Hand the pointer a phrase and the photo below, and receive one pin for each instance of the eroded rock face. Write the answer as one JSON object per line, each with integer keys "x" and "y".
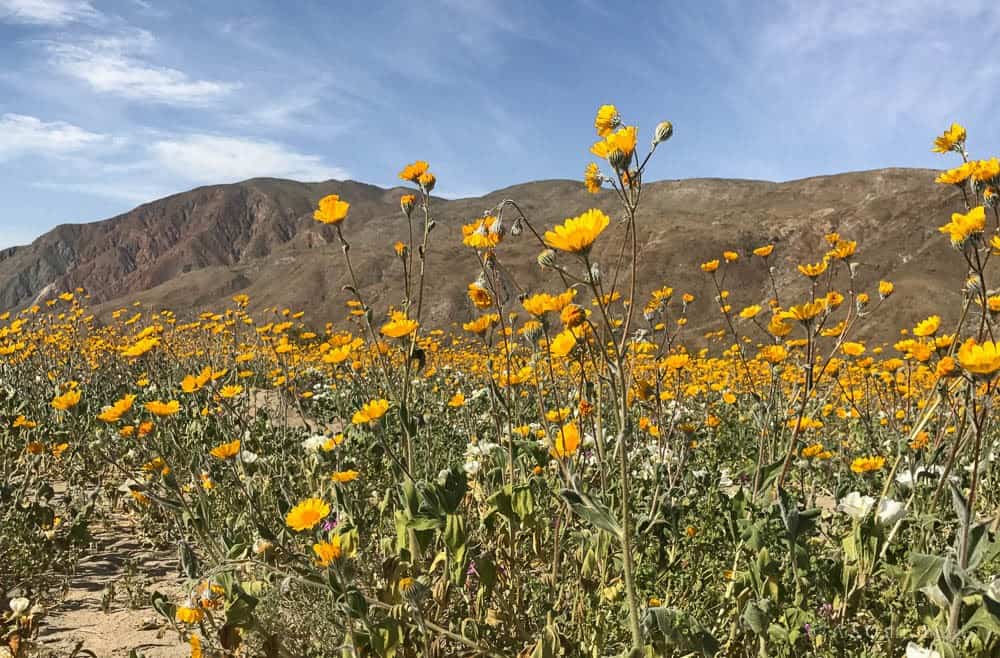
{"x": 194, "y": 250}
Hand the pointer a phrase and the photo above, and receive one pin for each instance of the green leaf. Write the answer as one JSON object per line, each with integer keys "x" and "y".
{"x": 926, "y": 569}
{"x": 591, "y": 511}
{"x": 672, "y": 631}
{"x": 983, "y": 619}
{"x": 756, "y": 615}
{"x": 424, "y": 523}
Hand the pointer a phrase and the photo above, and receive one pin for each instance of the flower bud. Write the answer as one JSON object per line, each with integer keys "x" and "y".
{"x": 620, "y": 160}
{"x": 595, "y": 272}
{"x": 547, "y": 259}
{"x": 664, "y": 131}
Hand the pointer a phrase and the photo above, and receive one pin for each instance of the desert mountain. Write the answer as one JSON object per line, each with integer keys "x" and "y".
{"x": 193, "y": 251}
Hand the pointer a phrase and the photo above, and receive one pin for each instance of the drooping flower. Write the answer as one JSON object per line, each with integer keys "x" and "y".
{"x": 427, "y": 180}
{"x": 576, "y": 235}
{"x": 406, "y": 203}
{"x": 307, "y": 514}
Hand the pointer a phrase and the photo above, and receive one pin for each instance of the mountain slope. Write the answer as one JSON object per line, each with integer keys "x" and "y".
{"x": 194, "y": 250}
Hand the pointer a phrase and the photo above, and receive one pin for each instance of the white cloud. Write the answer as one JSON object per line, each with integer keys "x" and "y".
{"x": 216, "y": 159}
{"x": 21, "y": 134}
{"x": 121, "y": 192}
{"x": 114, "y": 64}
{"x": 46, "y": 12}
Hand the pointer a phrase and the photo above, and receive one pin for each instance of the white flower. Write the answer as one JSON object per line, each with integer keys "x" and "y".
{"x": 314, "y": 443}
{"x": 472, "y": 467}
{"x": 725, "y": 480}
{"x": 855, "y": 505}
{"x": 906, "y": 478}
{"x": 914, "y": 650}
{"x": 993, "y": 590}
{"x": 19, "y": 606}
{"x": 247, "y": 456}
{"x": 890, "y": 511}
{"x": 487, "y": 446}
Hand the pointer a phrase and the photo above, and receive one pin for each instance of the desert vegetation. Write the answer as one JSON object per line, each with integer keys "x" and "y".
{"x": 570, "y": 473}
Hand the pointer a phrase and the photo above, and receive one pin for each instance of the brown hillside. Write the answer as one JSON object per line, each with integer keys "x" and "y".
{"x": 194, "y": 250}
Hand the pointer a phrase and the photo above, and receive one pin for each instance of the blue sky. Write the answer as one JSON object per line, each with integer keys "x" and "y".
{"x": 106, "y": 104}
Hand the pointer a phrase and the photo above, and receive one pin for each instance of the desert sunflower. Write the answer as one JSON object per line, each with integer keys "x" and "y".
{"x": 307, "y": 514}
{"x": 331, "y": 210}
{"x": 576, "y": 235}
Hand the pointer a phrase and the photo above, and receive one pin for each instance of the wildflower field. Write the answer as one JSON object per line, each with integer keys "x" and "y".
{"x": 568, "y": 474}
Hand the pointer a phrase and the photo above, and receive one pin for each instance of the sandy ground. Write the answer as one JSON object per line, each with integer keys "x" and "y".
{"x": 80, "y": 617}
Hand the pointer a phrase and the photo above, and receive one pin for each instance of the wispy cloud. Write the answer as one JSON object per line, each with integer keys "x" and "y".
{"x": 117, "y": 64}
{"x": 215, "y": 159}
{"x": 134, "y": 194}
{"x": 21, "y": 134}
{"x": 46, "y": 12}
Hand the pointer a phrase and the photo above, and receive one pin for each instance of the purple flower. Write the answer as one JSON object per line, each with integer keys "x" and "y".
{"x": 330, "y": 523}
